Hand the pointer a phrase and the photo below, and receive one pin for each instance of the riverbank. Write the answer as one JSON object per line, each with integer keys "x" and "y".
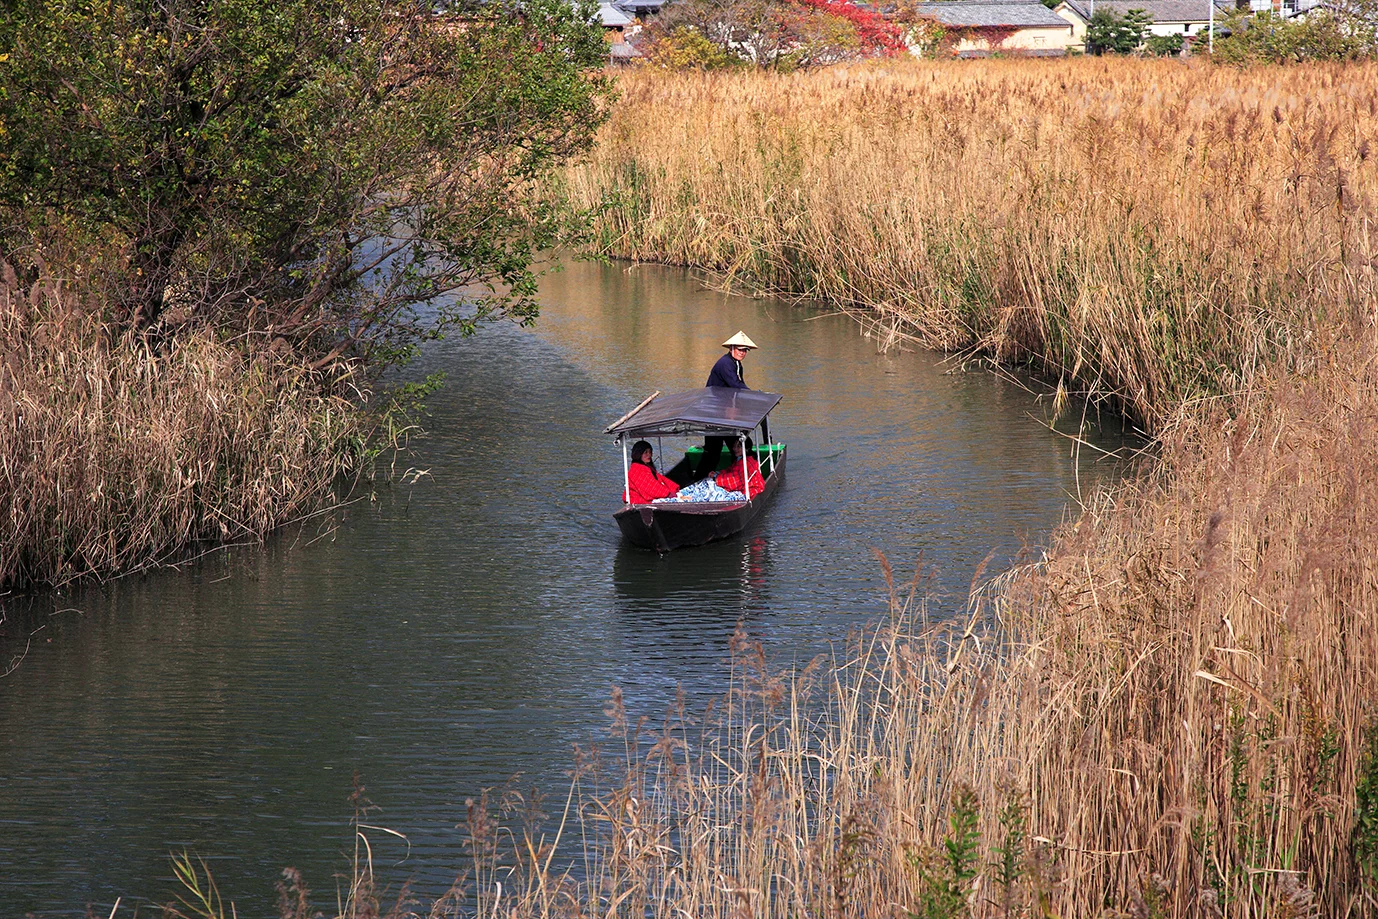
{"x": 1174, "y": 714}
{"x": 121, "y": 452}
{"x": 268, "y": 214}
{"x": 1147, "y": 231}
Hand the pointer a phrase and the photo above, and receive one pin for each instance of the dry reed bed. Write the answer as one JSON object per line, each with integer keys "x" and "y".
{"x": 1152, "y": 230}
{"x": 119, "y": 455}
{"x": 1176, "y": 705}
{"x": 1166, "y": 717}
{"x": 1196, "y": 669}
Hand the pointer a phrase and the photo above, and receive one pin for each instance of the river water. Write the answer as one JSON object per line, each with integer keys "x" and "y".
{"x": 441, "y": 636}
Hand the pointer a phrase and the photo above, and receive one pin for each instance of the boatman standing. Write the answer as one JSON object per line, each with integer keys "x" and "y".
{"x": 726, "y": 372}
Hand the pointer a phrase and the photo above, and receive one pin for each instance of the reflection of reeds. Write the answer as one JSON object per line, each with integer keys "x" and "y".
{"x": 1153, "y": 230}
{"x": 118, "y": 454}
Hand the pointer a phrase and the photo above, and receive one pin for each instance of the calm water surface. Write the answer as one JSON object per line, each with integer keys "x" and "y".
{"x": 441, "y": 637}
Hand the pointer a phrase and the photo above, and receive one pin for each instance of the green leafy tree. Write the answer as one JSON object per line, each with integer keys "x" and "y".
{"x": 1341, "y": 33}
{"x": 1163, "y": 45}
{"x": 1111, "y": 33}
{"x": 320, "y": 169}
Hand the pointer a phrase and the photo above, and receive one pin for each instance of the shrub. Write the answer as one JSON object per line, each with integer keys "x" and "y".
{"x": 1111, "y": 33}
{"x": 1163, "y": 45}
{"x": 1322, "y": 35}
{"x": 687, "y": 48}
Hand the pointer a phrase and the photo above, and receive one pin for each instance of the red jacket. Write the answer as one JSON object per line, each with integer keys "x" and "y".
{"x": 646, "y": 485}
{"x": 731, "y": 477}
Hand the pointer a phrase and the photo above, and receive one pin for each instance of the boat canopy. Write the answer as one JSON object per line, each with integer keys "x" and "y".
{"x": 711, "y": 410}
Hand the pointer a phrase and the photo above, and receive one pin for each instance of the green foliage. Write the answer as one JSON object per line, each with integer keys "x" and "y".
{"x": 945, "y": 876}
{"x": 1111, "y": 33}
{"x": 1364, "y": 841}
{"x": 399, "y": 418}
{"x": 1010, "y": 854}
{"x": 201, "y": 899}
{"x": 320, "y": 168}
{"x": 1322, "y": 35}
{"x": 1163, "y": 45}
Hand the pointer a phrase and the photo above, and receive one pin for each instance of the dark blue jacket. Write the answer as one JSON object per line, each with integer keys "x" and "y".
{"x": 727, "y": 372}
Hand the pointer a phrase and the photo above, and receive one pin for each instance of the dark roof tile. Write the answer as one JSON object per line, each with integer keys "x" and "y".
{"x": 990, "y": 13}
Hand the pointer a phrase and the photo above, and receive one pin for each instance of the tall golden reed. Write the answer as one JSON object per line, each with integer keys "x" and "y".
{"x": 1153, "y": 230}
{"x": 120, "y": 453}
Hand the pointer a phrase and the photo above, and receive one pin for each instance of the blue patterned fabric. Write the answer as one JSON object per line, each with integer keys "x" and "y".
{"x": 707, "y": 490}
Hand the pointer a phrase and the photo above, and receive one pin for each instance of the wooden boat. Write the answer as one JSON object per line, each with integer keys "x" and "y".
{"x": 713, "y": 411}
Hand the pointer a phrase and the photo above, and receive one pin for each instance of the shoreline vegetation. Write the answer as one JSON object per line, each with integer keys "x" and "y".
{"x": 117, "y": 457}
{"x": 221, "y": 222}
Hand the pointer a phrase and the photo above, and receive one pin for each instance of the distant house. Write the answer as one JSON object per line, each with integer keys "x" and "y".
{"x": 640, "y": 8}
{"x": 1170, "y": 17}
{"x": 1286, "y": 9}
{"x": 623, "y": 19}
{"x": 979, "y": 28}
{"x": 615, "y": 23}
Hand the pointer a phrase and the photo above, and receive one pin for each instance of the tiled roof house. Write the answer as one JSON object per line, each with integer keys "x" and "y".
{"x": 1170, "y": 17}
{"x": 978, "y": 28}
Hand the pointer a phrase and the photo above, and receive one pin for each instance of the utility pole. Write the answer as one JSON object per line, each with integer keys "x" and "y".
{"x": 1210, "y": 39}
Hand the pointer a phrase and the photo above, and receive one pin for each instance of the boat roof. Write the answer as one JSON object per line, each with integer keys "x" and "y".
{"x": 711, "y": 410}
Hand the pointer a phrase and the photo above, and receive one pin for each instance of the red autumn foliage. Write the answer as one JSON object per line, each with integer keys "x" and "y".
{"x": 877, "y": 34}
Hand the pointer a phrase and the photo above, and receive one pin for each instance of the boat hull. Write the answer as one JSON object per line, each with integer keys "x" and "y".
{"x": 663, "y": 527}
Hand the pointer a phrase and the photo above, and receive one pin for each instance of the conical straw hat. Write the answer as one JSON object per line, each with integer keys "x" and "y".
{"x": 739, "y": 341}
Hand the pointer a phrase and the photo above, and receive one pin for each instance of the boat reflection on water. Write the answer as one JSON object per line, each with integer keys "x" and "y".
{"x": 720, "y": 583}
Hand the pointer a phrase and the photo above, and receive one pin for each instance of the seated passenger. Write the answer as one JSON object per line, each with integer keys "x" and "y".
{"x": 726, "y": 485}
{"x": 730, "y": 479}
{"x": 645, "y": 484}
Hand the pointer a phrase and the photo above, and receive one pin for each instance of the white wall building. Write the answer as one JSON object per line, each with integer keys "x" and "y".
{"x": 1170, "y": 17}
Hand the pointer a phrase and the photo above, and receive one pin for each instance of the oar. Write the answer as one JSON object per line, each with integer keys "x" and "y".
{"x": 644, "y": 402}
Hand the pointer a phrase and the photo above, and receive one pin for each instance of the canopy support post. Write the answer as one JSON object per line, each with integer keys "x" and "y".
{"x": 626, "y": 472}
{"x": 765, "y": 438}
{"x": 746, "y": 475}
